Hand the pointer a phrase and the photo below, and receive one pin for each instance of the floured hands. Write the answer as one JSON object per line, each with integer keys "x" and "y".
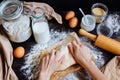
{"x": 80, "y": 52}
{"x": 82, "y": 55}
{"x": 49, "y": 64}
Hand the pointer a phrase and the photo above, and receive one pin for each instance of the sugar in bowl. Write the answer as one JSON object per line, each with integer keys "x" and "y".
{"x": 100, "y": 11}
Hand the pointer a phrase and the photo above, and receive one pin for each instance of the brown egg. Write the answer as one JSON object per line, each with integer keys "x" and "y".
{"x": 69, "y": 15}
{"x": 73, "y": 22}
{"x": 19, "y": 52}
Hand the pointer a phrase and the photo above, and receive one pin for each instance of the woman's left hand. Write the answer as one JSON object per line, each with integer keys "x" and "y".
{"x": 49, "y": 64}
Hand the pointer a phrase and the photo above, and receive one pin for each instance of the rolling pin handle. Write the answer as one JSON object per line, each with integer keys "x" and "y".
{"x": 89, "y": 35}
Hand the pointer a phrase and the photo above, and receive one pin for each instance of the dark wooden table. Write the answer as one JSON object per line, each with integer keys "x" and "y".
{"x": 17, "y": 63}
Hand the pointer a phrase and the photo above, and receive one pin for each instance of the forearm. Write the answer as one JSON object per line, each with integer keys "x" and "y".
{"x": 94, "y": 71}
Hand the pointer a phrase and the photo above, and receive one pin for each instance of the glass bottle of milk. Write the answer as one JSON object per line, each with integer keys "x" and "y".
{"x": 40, "y": 26}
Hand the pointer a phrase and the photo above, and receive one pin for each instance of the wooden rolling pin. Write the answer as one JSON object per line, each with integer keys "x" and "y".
{"x": 103, "y": 42}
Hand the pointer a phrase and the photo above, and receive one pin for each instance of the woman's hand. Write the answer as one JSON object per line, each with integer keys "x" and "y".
{"x": 80, "y": 52}
{"x": 49, "y": 64}
{"x": 82, "y": 55}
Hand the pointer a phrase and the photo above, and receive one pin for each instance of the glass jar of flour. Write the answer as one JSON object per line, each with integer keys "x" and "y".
{"x": 40, "y": 26}
{"x": 15, "y": 23}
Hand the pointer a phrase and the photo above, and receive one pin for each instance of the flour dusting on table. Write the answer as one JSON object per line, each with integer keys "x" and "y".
{"x": 113, "y": 20}
{"x": 31, "y": 64}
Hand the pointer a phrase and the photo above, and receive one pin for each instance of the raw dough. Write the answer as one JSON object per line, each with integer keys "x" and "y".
{"x": 68, "y": 60}
{"x": 68, "y": 65}
{"x": 62, "y": 46}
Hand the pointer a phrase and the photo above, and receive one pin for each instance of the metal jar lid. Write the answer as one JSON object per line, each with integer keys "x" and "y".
{"x": 10, "y": 9}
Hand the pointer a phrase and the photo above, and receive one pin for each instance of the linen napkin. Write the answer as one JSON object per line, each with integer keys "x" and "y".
{"x": 6, "y": 58}
{"x": 49, "y": 11}
{"x": 112, "y": 69}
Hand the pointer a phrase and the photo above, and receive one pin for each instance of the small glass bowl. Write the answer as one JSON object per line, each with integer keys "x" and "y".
{"x": 104, "y": 29}
{"x": 99, "y": 10}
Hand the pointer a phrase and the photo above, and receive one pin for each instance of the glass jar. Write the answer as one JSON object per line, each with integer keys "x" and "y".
{"x": 105, "y": 29}
{"x": 100, "y": 11}
{"x": 88, "y": 23}
{"x": 15, "y": 23}
{"x": 40, "y": 26}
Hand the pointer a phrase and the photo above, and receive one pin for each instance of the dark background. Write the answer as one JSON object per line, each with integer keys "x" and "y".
{"x": 64, "y": 5}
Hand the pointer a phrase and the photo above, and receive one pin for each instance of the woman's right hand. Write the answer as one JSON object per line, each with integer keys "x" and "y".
{"x": 82, "y": 55}
{"x": 80, "y": 52}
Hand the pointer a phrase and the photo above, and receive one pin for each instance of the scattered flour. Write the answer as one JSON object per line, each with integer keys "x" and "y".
{"x": 31, "y": 64}
{"x": 113, "y": 20}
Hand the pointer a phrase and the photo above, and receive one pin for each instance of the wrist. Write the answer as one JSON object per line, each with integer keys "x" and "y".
{"x": 44, "y": 76}
{"x": 86, "y": 64}
{"x": 90, "y": 66}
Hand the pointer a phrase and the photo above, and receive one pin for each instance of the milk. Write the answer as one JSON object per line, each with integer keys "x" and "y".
{"x": 41, "y": 32}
